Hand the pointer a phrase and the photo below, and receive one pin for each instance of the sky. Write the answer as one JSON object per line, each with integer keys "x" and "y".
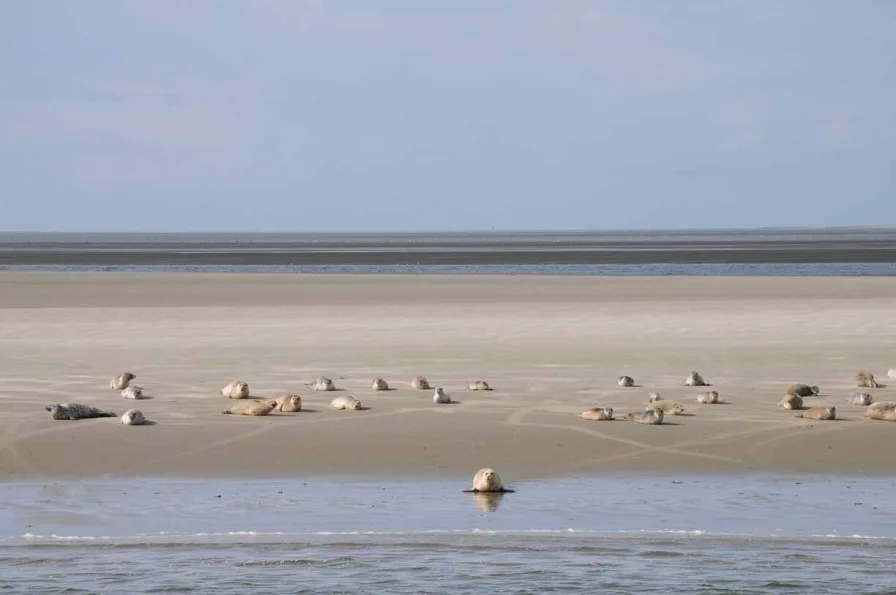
{"x": 381, "y": 115}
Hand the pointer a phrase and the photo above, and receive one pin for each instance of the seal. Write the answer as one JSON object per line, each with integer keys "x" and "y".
{"x": 322, "y": 383}
{"x": 479, "y": 385}
{"x": 288, "y": 404}
{"x": 860, "y": 397}
{"x": 420, "y": 383}
{"x": 891, "y": 373}
{"x": 598, "y": 414}
{"x": 818, "y": 413}
{"x": 695, "y": 379}
{"x": 791, "y": 402}
{"x": 882, "y": 406}
{"x": 487, "y": 481}
{"x": 654, "y": 397}
{"x": 132, "y": 392}
{"x": 801, "y": 390}
{"x": 76, "y": 411}
{"x": 653, "y": 417}
{"x": 255, "y": 407}
{"x": 440, "y": 397}
{"x": 236, "y": 390}
{"x": 133, "y": 417}
{"x": 667, "y": 407}
{"x": 625, "y": 381}
{"x": 122, "y": 382}
{"x": 709, "y": 398}
{"x": 882, "y": 414}
{"x": 346, "y": 402}
{"x": 866, "y": 380}
{"x": 379, "y": 384}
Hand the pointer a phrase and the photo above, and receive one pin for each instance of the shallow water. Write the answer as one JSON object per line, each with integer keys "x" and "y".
{"x": 764, "y": 533}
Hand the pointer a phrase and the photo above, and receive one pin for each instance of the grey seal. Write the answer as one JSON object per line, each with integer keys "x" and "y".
{"x": 76, "y": 411}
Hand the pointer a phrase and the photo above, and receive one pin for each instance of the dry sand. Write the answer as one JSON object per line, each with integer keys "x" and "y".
{"x": 550, "y": 346}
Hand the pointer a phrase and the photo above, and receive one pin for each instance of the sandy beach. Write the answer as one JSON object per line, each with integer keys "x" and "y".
{"x": 550, "y": 346}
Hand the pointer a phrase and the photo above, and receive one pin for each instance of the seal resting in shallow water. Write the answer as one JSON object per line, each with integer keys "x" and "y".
{"x": 654, "y": 397}
{"x": 801, "y": 390}
{"x": 236, "y": 390}
{"x": 254, "y": 407}
{"x": 346, "y": 402}
{"x": 667, "y": 407}
{"x": 133, "y": 417}
{"x": 420, "y": 383}
{"x": 860, "y": 397}
{"x": 695, "y": 379}
{"x": 440, "y": 397}
{"x": 132, "y": 392}
{"x": 122, "y": 382}
{"x": 598, "y": 414}
{"x": 288, "y": 404}
{"x": 379, "y": 384}
{"x": 322, "y": 383}
{"x": 625, "y": 381}
{"x": 479, "y": 385}
{"x": 487, "y": 480}
{"x": 652, "y": 417}
{"x": 818, "y": 413}
{"x": 791, "y": 402}
{"x": 708, "y": 398}
{"x": 866, "y": 380}
{"x": 76, "y": 411}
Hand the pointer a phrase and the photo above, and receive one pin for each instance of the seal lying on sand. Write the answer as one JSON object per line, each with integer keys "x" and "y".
{"x": 653, "y": 417}
{"x": 667, "y": 407}
{"x": 322, "y": 383}
{"x": 695, "y": 379}
{"x": 791, "y": 402}
{"x": 346, "y": 402}
{"x": 236, "y": 390}
{"x": 133, "y": 417}
{"x": 891, "y": 374}
{"x": 122, "y": 382}
{"x": 708, "y": 398}
{"x": 819, "y": 413}
{"x": 487, "y": 480}
{"x": 440, "y": 397}
{"x": 882, "y": 405}
{"x": 76, "y": 411}
{"x": 479, "y": 385}
{"x": 625, "y": 381}
{"x": 860, "y": 397}
{"x": 132, "y": 392}
{"x": 882, "y": 413}
{"x": 379, "y": 384}
{"x": 866, "y": 380}
{"x": 801, "y": 390}
{"x": 598, "y": 414}
{"x": 253, "y": 407}
{"x": 654, "y": 397}
{"x": 288, "y": 404}
{"x": 420, "y": 383}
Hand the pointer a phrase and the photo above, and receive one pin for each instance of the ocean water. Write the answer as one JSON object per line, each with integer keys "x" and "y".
{"x": 621, "y": 534}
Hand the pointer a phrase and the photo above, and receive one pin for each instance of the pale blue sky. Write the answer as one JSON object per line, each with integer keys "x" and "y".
{"x": 387, "y": 115}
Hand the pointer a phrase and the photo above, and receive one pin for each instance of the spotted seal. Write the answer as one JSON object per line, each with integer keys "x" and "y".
{"x": 133, "y": 392}
{"x": 652, "y": 417}
{"x": 133, "y": 417}
{"x": 598, "y": 414}
{"x": 708, "y": 398}
{"x": 379, "y": 384}
{"x": 625, "y": 381}
{"x": 440, "y": 397}
{"x": 488, "y": 481}
{"x": 479, "y": 385}
{"x": 801, "y": 390}
{"x": 866, "y": 380}
{"x": 288, "y": 404}
{"x": 654, "y": 397}
{"x": 346, "y": 402}
{"x": 322, "y": 383}
{"x": 76, "y": 411}
{"x": 236, "y": 390}
{"x": 695, "y": 379}
{"x": 254, "y": 407}
{"x": 122, "y": 382}
{"x": 818, "y": 413}
{"x": 420, "y": 383}
{"x": 668, "y": 407}
{"x": 791, "y": 402}
{"x": 882, "y": 413}
{"x": 860, "y": 397}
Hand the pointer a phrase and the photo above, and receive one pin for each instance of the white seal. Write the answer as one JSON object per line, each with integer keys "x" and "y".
{"x": 133, "y": 417}
{"x": 122, "y": 382}
{"x": 440, "y": 397}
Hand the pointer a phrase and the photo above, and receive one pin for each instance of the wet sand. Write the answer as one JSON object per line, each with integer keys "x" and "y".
{"x": 550, "y": 346}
